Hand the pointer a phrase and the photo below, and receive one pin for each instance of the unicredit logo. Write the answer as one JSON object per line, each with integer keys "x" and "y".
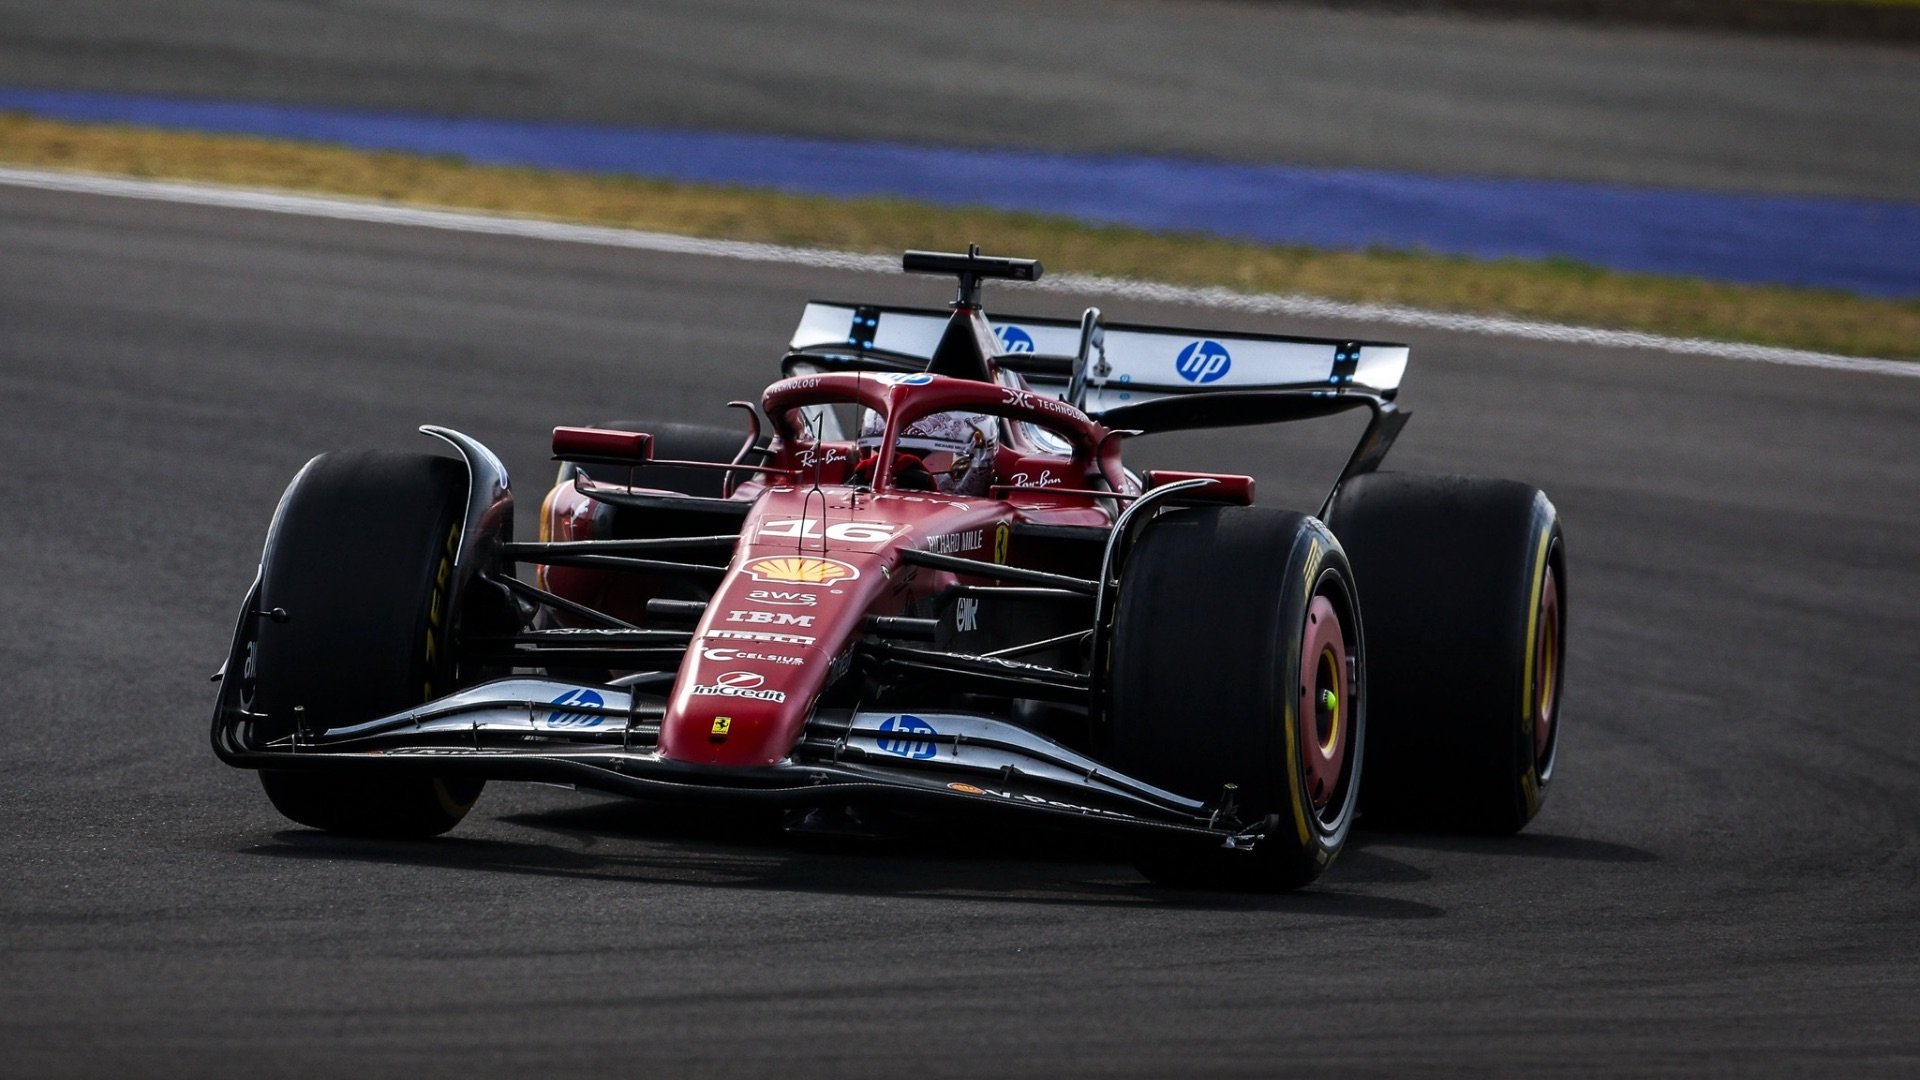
{"x": 739, "y": 680}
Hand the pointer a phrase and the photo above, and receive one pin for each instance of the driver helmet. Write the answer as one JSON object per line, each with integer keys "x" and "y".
{"x": 954, "y": 450}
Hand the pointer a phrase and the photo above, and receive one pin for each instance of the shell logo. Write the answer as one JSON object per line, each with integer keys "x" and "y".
{"x": 800, "y": 571}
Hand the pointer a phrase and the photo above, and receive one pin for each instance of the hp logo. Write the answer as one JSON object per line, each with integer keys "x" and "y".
{"x": 901, "y": 732}
{"x": 1013, "y": 339}
{"x": 577, "y": 696}
{"x": 1203, "y": 362}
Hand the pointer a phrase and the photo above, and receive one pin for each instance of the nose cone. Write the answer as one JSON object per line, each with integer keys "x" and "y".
{"x": 763, "y": 653}
{"x": 811, "y": 566}
{"x": 741, "y": 702}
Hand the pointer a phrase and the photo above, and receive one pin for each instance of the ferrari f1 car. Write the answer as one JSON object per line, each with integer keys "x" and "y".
{"x": 921, "y": 575}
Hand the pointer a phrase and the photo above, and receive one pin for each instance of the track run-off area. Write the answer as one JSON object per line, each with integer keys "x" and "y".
{"x": 1724, "y": 878}
{"x": 1727, "y": 156}
{"x": 1867, "y": 246}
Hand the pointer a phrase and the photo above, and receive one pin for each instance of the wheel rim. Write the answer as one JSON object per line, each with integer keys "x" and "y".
{"x": 1546, "y": 654}
{"x": 1324, "y": 708}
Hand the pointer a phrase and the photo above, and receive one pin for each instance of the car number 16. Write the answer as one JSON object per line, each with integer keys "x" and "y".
{"x": 847, "y": 532}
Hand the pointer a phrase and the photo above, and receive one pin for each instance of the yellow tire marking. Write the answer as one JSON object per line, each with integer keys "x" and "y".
{"x": 1295, "y": 763}
{"x": 1527, "y": 701}
{"x": 437, "y": 604}
{"x": 451, "y": 806}
{"x": 1294, "y": 766}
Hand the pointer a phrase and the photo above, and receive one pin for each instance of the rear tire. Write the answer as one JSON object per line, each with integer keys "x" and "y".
{"x": 1230, "y": 665}
{"x": 1466, "y": 619}
{"x": 671, "y": 441}
{"x": 360, "y": 556}
{"x": 675, "y": 442}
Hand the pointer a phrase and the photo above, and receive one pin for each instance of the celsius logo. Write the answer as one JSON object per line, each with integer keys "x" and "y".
{"x": 577, "y": 696}
{"x": 901, "y": 732}
{"x": 1013, "y": 339}
{"x": 732, "y": 656}
{"x": 1203, "y": 361}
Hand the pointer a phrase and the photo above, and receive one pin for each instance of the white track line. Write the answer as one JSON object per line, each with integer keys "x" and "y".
{"x": 1215, "y": 297}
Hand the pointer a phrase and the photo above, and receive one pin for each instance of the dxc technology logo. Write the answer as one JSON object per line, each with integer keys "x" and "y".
{"x": 1203, "y": 362}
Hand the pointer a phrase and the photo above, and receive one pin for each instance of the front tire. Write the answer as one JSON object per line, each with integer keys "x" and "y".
{"x": 1238, "y": 659}
{"x": 360, "y": 556}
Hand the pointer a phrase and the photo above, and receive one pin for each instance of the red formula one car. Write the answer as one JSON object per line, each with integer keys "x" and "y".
{"x": 922, "y": 576}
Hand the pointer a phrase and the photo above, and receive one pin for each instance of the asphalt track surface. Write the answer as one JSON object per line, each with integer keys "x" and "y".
{"x": 1211, "y": 79}
{"x": 1723, "y": 880}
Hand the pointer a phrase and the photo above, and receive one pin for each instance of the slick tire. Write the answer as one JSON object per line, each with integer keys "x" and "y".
{"x": 1466, "y": 590}
{"x": 360, "y": 556}
{"x": 1237, "y": 658}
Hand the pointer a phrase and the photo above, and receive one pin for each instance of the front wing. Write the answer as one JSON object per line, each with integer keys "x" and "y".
{"x": 603, "y": 738}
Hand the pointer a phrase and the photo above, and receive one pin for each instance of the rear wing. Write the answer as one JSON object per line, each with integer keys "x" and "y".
{"x": 1130, "y": 365}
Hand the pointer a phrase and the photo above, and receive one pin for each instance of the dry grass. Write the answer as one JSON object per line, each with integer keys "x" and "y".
{"x": 1552, "y": 290}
